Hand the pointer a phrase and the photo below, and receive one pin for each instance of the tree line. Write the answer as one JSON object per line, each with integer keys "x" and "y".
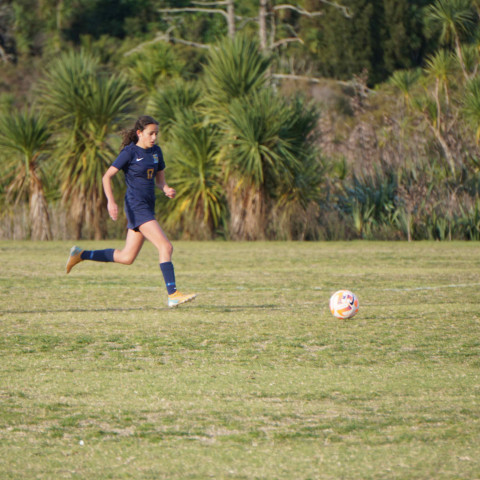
{"x": 247, "y": 154}
{"x": 318, "y": 37}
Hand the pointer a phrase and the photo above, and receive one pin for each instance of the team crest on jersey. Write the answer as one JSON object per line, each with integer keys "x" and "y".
{"x": 155, "y": 158}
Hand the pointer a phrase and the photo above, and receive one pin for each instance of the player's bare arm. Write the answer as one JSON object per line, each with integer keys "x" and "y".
{"x": 107, "y": 188}
{"x": 160, "y": 182}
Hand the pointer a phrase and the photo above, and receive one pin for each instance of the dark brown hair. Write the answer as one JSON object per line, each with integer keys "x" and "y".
{"x": 130, "y": 135}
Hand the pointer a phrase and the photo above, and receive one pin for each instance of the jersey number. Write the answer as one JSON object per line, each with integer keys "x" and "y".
{"x": 150, "y": 173}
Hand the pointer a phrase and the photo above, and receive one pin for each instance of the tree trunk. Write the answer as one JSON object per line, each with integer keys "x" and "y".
{"x": 231, "y": 18}
{"x": 247, "y": 211}
{"x": 98, "y": 221}
{"x": 437, "y": 101}
{"x": 39, "y": 218}
{"x": 460, "y": 57}
{"x": 446, "y": 149}
{"x": 262, "y": 24}
{"x": 76, "y": 211}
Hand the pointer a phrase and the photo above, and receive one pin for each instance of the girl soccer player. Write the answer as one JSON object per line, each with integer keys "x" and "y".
{"x": 143, "y": 165}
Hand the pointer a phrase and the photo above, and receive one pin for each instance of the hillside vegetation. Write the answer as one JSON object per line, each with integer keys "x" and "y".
{"x": 302, "y": 121}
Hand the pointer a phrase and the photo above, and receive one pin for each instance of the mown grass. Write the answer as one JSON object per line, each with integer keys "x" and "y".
{"x": 255, "y": 379}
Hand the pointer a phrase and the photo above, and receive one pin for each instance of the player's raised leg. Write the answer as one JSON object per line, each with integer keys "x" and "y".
{"x": 154, "y": 233}
{"x": 126, "y": 256}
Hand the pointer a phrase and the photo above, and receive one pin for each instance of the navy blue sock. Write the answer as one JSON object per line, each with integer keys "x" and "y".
{"x": 98, "y": 255}
{"x": 169, "y": 276}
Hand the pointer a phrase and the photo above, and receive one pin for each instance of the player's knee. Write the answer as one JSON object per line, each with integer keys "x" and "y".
{"x": 129, "y": 260}
{"x": 125, "y": 258}
{"x": 169, "y": 249}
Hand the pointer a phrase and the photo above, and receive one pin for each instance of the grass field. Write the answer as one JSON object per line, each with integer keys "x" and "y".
{"x": 255, "y": 379}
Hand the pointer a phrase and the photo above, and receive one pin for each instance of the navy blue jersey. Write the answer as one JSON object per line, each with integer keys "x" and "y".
{"x": 140, "y": 166}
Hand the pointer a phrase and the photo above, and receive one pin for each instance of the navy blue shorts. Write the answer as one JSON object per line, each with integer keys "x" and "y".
{"x": 138, "y": 216}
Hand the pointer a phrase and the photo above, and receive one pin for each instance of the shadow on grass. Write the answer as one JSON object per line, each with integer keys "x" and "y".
{"x": 219, "y": 308}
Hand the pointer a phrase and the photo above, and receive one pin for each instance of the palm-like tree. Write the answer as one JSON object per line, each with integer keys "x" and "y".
{"x": 86, "y": 107}
{"x": 455, "y": 18}
{"x": 471, "y": 57}
{"x": 440, "y": 68}
{"x": 199, "y": 207}
{"x": 263, "y": 139}
{"x": 259, "y": 154}
{"x": 427, "y": 106}
{"x": 250, "y": 119}
{"x": 405, "y": 81}
{"x": 25, "y": 137}
{"x": 472, "y": 104}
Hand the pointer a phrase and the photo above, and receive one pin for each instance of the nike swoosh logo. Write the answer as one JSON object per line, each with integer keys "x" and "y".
{"x": 138, "y": 159}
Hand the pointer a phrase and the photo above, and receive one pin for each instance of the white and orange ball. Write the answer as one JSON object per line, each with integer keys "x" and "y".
{"x": 344, "y": 304}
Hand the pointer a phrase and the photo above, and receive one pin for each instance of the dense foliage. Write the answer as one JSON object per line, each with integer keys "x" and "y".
{"x": 382, "y": 142}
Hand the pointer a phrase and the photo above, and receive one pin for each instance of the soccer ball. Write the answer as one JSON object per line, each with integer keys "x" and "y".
{"x": 344, "y": 304}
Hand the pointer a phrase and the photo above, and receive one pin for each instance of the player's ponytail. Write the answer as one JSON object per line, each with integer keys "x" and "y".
{"x": 130, "y": 135}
